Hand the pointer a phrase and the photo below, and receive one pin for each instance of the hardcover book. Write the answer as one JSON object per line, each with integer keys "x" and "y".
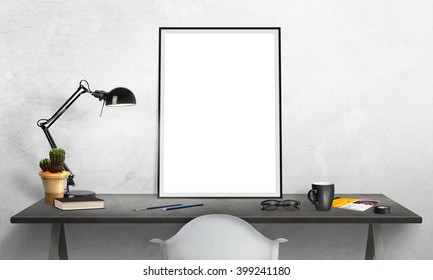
{"x": 78, "y": 203}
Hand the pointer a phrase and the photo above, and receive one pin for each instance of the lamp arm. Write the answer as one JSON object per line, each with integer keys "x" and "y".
{"x": 48, "y": 122}
{"x": 45, "y": 124}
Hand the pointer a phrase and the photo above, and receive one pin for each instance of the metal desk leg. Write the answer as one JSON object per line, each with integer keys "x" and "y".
{"x": 374, "y": 250}
{"x": 58, "y": 250}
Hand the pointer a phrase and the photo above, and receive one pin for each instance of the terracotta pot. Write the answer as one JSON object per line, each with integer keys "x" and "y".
{"x": 54, "y": 185}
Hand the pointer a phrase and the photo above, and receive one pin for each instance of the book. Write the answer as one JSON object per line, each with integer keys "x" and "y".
{"x": 78, "y": 203}
{"x": 356, "y": 204}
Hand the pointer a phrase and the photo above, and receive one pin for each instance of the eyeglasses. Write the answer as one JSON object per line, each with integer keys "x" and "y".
{"x": 289, "y": 204}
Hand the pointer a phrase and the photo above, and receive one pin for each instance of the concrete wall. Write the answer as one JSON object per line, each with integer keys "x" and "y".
{"x": 357, "y": 110}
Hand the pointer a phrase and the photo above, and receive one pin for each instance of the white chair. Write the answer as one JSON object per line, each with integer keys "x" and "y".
{"x": 219, "y": 237}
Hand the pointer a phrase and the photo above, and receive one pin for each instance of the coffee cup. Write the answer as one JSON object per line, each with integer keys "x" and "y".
{"x": 322, "y": 195}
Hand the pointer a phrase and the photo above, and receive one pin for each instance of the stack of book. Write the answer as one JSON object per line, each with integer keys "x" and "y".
{"x": 356, "y": 204}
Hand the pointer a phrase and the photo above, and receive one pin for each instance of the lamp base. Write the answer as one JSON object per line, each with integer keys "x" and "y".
{"x": 80, "y": 194}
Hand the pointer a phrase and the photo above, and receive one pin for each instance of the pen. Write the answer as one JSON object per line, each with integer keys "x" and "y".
{"x": 156, "y": 207}
{"x": 182, "y": 206}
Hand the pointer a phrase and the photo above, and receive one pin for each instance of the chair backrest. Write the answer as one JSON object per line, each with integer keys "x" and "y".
{"x": 219, "y": 236}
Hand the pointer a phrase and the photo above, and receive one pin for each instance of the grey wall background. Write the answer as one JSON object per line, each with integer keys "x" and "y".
{"x": 357, "y": 110}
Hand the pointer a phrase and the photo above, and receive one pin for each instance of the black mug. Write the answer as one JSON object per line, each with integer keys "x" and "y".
{"x": 322, "y": 195}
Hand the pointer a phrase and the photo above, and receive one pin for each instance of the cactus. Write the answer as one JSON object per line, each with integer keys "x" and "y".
{"x": 57, "y": 158}
{"x": 45, "y": 164}
{"x": 55, "y": 163}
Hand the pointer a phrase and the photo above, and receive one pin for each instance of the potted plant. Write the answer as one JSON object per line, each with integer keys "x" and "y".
{"x": 53, "y": 174}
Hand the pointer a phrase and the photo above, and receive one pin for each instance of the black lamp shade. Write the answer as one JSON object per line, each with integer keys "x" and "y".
{"x": 120, "y": 97}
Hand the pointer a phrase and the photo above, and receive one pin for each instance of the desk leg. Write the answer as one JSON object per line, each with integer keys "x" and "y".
{"x": 374, "y": 250}
{"x": 58, "y": 250}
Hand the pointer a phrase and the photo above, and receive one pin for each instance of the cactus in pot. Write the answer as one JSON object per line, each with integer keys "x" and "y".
{"x": 53, "y": 174}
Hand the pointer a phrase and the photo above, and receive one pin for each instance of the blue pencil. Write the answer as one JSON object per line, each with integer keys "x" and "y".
{"x": 182, "y": 206}
{"x": 156, "y": 207}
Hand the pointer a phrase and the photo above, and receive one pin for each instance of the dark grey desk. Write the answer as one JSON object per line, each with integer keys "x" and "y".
{"x": 118, "y": 209}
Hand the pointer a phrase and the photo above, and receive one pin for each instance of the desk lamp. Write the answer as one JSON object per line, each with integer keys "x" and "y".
{"x": 116, "y": 97}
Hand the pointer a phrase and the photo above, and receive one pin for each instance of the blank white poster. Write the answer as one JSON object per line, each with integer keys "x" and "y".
{"x": 219, "y": 113}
